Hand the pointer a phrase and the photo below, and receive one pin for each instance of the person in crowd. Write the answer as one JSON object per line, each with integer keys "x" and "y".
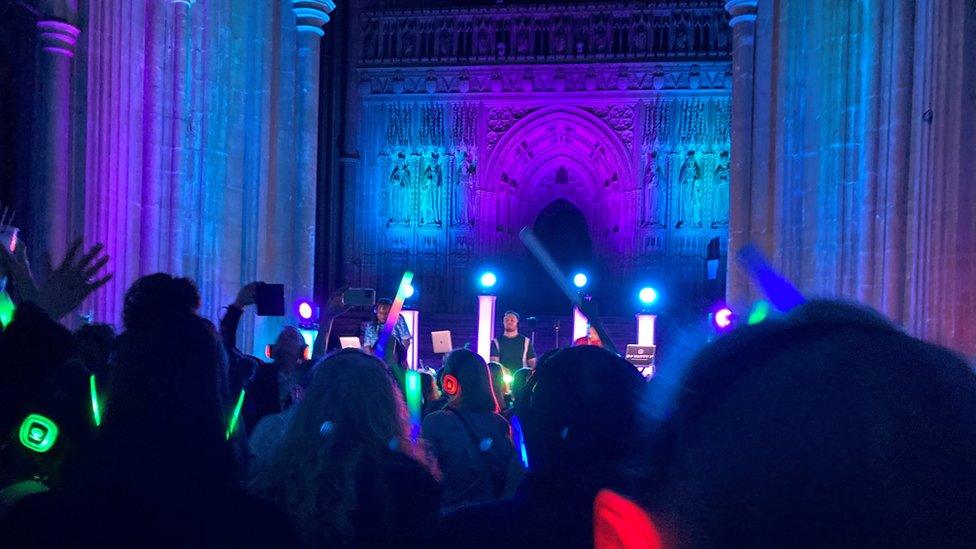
{"x": 271, "y": 387}
{"x": 582, "y": 426}
{"x": 829, "y": 428}
{"x": 442, "y": 400}
{"x": 161, "y": 471}
{"x": 591, "y": 338}
{"x": 471, "y": 441}
{"x": 513, "y": 350}
{"x": 158, "y": 295}
{"x": 428, "y": 390}
{"x": 395, "y": 353}
{"x": 39, "y": 371}
{"x": 346, "y": 470}
{"x": 498, "y": 385}
{"x": 520, "y": 382}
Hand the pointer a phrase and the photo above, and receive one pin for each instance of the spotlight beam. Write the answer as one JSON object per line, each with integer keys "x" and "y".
{"x": 542, "y": 255}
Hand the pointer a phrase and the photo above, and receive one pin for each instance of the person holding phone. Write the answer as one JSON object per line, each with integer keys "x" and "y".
{"x": 271, "y": 386}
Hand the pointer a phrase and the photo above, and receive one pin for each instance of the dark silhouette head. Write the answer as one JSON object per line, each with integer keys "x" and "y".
{"x": 165, "y": 414}
{"x": 474, "y": 388}
{"x": 497, "y": 372}
{"x": 159, "y": 296}
{"x": 581, "y": 421}
{"x": 830, "y": 427}
{"x": 93, "y": 345}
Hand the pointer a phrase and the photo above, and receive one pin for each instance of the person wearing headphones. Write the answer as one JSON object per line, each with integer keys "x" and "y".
{"x": 271, "y": 386}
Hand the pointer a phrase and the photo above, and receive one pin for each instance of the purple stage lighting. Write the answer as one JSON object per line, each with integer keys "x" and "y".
{"x": 722, "y": 318}
{"x": 307, "y": 311}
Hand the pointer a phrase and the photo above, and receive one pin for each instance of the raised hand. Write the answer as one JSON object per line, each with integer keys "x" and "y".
{"x": 245, "y": 297}
{"x": 16, "y": 266}
{"x": 71, "y": 282}
{"x": 335, "y": 307}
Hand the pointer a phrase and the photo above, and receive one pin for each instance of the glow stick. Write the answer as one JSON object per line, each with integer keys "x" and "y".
{"x": 542, "y": 255}
{"x": 414, "y": 397}
{"x": 519, "y": 440}
{"x": 759, "y": 312}
{"x": 781, "y": 293}
{"x": 381, "y": 349}
{"x": 7, "y": 309}
{"x": 96, "y": 409}
{"x": 236, "y": 417}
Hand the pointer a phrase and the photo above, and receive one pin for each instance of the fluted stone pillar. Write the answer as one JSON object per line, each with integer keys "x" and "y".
{"x": 50, "y": 189}
{"x": 310, "y": 16}
{"x": 743, "y": 23}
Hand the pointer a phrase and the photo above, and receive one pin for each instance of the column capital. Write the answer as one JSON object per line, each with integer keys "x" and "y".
{"x": 312, "y": 15}
{"x": 58, "y": 37}
{"x": 742, "y": 11}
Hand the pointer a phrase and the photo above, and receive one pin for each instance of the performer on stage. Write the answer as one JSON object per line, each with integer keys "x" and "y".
{"x": 399, "y": 339}
{"x": 513, "y": 350}
{"x": 591, "y": 338}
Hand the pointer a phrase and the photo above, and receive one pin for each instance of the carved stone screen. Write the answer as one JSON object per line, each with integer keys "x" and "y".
{"x": 604, "y": 126}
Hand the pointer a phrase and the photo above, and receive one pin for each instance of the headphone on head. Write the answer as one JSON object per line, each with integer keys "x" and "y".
{"x": 306, "y": 352}
{"x": 450, "y": 384}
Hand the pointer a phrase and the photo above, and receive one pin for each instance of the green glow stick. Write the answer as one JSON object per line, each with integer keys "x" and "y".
{"x": 96, "y": 409}
{"x": 7, "y": 309}
{"x": 414, "y": 397}
{"x": 236, "y": 417}
{"x": 759, "y": 312}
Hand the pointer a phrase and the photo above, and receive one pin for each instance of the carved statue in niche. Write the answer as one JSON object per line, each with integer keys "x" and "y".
{"x": 689, "y": 177}
{"x": 600, "y": 40}
{"x": 720, "y": 197}
{"x": 640, "y": 40}
{"x": 680, "y": 43}
{"x": 561, "y": 42}
{"x": 408, "y": 42}
{"x": 654, "y": 199}
{"x": 430, "y": 191}
{"x": 522, "y": 42}
{"x": 444, "y": 41}
{"x": 462, "y": 190}
{"x": 484, "y": 48}
{"x": 398, "y": 203}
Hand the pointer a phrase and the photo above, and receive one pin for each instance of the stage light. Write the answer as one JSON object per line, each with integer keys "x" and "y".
{"x": 580, "y": 280}
{"x": 307, "y": 310}
{"x": 647, "y": 295}
{"x": 721, "y": 318}
{"x": 488, "y": 279}
{"x": 408, "y": 291}
{"x": 508, "y": 378}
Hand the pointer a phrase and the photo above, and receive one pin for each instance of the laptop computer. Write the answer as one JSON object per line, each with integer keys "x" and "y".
{"x": 640, "y": 355}
{"x": 351, "y": 342}
{"x": 441, "y": 342}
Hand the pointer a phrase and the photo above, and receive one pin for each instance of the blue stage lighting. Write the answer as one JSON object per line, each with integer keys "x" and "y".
{"x": 488, "y": 279}
{"x": 580, "y": 280}
{"x": 647, "y": 295}
{"x": 408, "y": 291}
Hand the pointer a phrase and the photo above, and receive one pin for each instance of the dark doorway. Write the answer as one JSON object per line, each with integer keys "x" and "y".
{"x": 563, "y": 229}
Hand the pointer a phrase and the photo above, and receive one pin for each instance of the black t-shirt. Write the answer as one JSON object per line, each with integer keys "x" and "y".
{"x": 512, "y": 352}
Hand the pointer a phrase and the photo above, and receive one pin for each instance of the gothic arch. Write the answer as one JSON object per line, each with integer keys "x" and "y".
{"x": 522, "y": 166}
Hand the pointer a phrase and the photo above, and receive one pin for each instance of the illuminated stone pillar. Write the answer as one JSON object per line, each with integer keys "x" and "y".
{"x": 743, "y": 23}
{"x": 310, "y": 17}
{"x": 50, "y": 190}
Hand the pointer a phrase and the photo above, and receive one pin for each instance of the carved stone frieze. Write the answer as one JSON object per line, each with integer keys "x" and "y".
{"x": 546, "y": 78}
{"x": 547, "y": 32}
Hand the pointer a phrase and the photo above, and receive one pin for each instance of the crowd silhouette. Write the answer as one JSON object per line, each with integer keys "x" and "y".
{"x": 825, "y": 426}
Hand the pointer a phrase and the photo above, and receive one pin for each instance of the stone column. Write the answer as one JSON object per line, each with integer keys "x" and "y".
{"x": 311, "y": 16}
{"x": 743, "y": 23}
{"x": 172, "y": 259}
{"x": 49, "y": 193}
